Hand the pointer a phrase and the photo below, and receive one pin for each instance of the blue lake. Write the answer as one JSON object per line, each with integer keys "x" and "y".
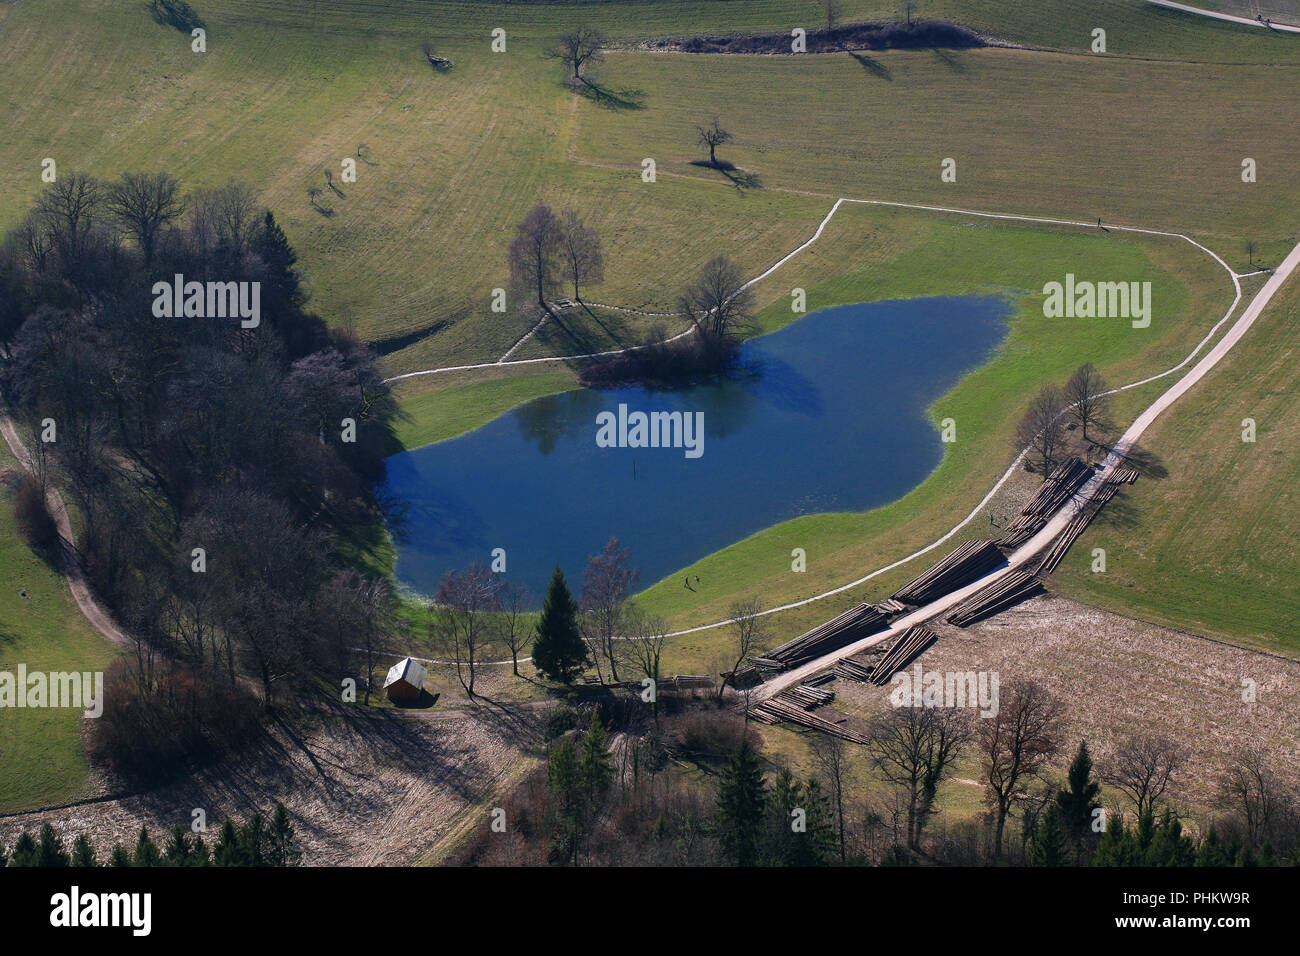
{"x": 828, "y": 414}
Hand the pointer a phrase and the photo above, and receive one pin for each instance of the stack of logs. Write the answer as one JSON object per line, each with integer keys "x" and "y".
{"x": 909, "y": 645}
{"x": 1059, "y": 487}
{"x": 855, "y": 623}
{"x": 964, "y": 564}
{"x": 1011, "y": 588}
{"x": 1081, "y": 519}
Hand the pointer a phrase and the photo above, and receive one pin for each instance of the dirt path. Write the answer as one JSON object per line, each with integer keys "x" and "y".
{"x": 90, "y": 608}
{"x": 1230, "y": 18}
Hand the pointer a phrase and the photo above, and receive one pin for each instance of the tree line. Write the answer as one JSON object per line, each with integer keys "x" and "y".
{"x": 638, "y": 800}
{"x": 255, "y": 842}
{"x": 220, "y": 472}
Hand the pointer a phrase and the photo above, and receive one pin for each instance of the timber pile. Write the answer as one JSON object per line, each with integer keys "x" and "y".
{"x": 964, "y": 564}
{"x": 856, "y": 667}
{"x": 823, "y": 678}
{"x": 775, "y": 710}
{"x": 1059, "y": 487}
{"x": 890, "y": 606}
{"x": 687, "y": 681}
{"x": 904, "y": 650}
{"x": 1075, "y": 528}
{"x": 766, "y": 664}
{"x": 856, "y": 622}
{"x": 1123, "y": 476}
{"x": 1010, "y": 589}
{"x": 807, "y": 696}
{"x": 1022, "y": 529}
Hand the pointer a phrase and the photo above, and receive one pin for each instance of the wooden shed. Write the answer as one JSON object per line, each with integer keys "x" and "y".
{"x": 405, "y": 680}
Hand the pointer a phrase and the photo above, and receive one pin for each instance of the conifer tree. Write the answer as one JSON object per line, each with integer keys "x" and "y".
{"x": 26, "y": 852}
{"x": 51, "y": 852}
{"x": 742, "y": 799}
{"x": 558, "y": 650}
{"x": 284, "y": 848}
{"x": 146, "y": 851}
{"x": 83, "y": 854}
{"x": 1077, "y": 802}
{"x": 597, "y": 764}
{"x": 119, "y": 857}
{"x": 1050, "y": 843}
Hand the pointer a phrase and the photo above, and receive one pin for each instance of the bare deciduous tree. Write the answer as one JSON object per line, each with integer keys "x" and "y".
{"x": 534, "y": 252}
{"x": 832, "y": 8}
{"x": 1251, "y": 787}
{"x": 577, "y": 49}
{"x": 914, "y": 748}
{"x": 584, "y": 259}
{"x": 1085, "y": 398}
{"x": 717, "y": 302}
{"x": 832, "y": 759}
{"x": 648, "y": 638}
{"x": 1015, "y": 744}
{"x": 713, "y": 136}
{"x": 749, "y": 631}
{"x": 1143, "y": 767}
{"x": 145, "y": 204}
{"x": 516, "y": 631}
{"x": 606, "y": 583}
{"x": 464, "y": 617}
{"x": 1042, "y": 430}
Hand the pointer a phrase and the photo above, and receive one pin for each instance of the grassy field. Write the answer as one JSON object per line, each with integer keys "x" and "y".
{"x": 1150, "y": 133}
{"x": 1212, "y": 547}
{"x": 42, "y": 760}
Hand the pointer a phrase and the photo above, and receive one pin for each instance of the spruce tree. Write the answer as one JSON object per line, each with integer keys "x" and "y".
{"x": 558, "y": 650}
{"x": 1050, "y": 845}
{"x": 146, "y": 851}
{"x": 1077, "y": 803}
{"x": 1211, "y": 852}
{"x": 177, "y": 850}
{"x": 119, "y": 857}
{"x": 83, "y": 854}
{"x": 1116, "y": 847}
{"x": 26, "y": 852}
{"x": 742, "y": 799}
{"x": 51, "y": 852}
{"x": 597, "y": 764}
{"x": 284, "y": 848}
{"x": 228, "y": 851}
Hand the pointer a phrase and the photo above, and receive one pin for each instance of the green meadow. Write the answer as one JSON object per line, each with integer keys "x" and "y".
{"x": 1151, "y": 133}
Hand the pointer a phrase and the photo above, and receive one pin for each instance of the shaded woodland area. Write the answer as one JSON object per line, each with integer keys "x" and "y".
{"x": 220, "y": 478}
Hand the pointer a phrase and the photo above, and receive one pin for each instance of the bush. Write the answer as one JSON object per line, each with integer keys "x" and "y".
{"x": 707, "y": 734}
{"x": 176, "y": 13}
{"x": 154, "y": 730}
{"x": 33, "y": 517}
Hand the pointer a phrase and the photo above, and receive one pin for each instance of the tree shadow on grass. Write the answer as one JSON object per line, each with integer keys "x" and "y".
{"x": 608, "y": 97}
{"x": 874, "y": 67}
{"x": 613, "y": 337}
{"x": 1146, "y": 463}
{"x": 740, "y": 178}
{"x": 950, "y": 60}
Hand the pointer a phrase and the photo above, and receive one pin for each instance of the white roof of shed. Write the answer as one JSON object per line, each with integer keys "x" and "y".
{"x": 409, "y": 670}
